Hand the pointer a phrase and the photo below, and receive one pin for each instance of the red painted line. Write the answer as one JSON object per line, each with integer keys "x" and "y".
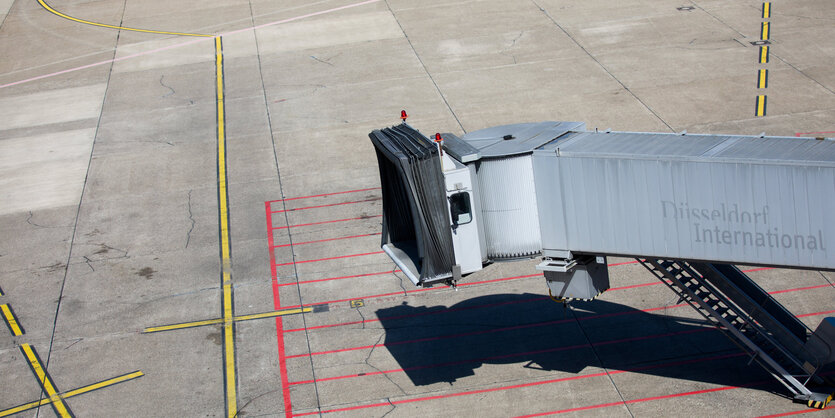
{"x": 338, "y": 278}
{"x": 800, "y": 288}
{"x": 435, "y": 312}
{"x": 272, "y": 254}
{"x": 813, "y": 133}
{"x": 325, "y": 206}
{"x": 330, "y": 222}
{"x": 329, "y": 258}
{"x": 415, "y": 291}
{"x": 757, "y": 269}
{"x": 524, "y": 385}
{"x": 325, "y": 240}
{"x": 467, "y": 308}
{"x": 802, "y": 411}
{"x": 279, "y": 322}
{"x": 816, "y": 313}
{"x": 654, "y": 398}
{"x": 510, "y": 355}
{"x": 481, "y": 332}
{"x": 324, "y": 194}
{"x": 514, "y": 327}
{"x": 446, "y": 310}
{"x": 623, "y": 264}
{"x": 677, "y": 395}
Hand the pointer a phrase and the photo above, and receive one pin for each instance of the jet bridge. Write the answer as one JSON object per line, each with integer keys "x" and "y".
{"x": 686, "y": 206}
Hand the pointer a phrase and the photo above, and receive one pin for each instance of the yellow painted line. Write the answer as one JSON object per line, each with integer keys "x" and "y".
{"x": 273, "y": 314}
{"x": 57, "y": 402}
{"x": 764, "y": 32}
{"x": 104, "y": 383}
{"x": 761, "y": 100}
{"x": 75, "y": 392}
{"x": 766, "y": 10}
{"x": 762, "y": 79}
{"x": 11, "y": 320}
{"x": 103, "y": 25}
{"x": 182, "y": 325}
{"x": 24, "y": 407}
{"x": 763, "y": 54}
{"x": 226, "y": 262}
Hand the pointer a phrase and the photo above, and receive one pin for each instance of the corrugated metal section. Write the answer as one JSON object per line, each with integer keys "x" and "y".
{"x": 728, "y": 199}
{"x": 519, "y": 138}
{"x": 784, "y": 150}
{"x": 508, "y": 207}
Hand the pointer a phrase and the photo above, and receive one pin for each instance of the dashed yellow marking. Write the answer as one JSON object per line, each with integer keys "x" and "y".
{"x": 764, "y": 31}
{"x": 103, "y": 25}
{"x": 764, "y": 54}
{"x": 762, "y": 79}
{"x": 766, "y": 10}
{"x": 74, "y": 392}
{"x": 761, "y": 99}
{"x": 57, "y": 401}
{"x": 11, "y": 320}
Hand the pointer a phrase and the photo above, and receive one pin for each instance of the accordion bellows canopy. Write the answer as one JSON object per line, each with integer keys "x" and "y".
{"x": 416, "y": 227}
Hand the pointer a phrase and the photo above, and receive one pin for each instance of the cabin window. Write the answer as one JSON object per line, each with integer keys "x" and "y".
{"x": 459, "y": 206}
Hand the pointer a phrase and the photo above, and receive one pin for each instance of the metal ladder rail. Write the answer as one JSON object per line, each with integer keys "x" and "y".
{"x": 661, "y": 270}
{"x": 801, "y": 362}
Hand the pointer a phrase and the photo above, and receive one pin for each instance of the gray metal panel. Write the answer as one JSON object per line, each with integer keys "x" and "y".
{"x": 459, "y": 149}
{"x": 526, "y": 137}
{"x": 779, "y": 150}
{"x": 667, "y": 203}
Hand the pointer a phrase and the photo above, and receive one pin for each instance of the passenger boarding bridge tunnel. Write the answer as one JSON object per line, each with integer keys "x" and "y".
{"x": 686, "y": 206}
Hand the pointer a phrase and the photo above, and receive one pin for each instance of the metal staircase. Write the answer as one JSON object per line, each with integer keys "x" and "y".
{"x": 752, "y": 319}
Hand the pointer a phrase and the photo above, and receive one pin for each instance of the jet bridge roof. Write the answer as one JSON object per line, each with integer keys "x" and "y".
{"x": 749, "y": 149}
{"x": 735, "y": 199}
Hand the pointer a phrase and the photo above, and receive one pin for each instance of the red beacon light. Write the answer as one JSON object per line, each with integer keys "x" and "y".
{"x": 403, "y": 115}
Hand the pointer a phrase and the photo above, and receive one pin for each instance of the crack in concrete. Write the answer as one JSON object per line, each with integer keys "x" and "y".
{"x": 191, "y": 218}
{"x": 382, "y": 372}
{"x": 327, "y": 61}
{"x": 171, "y": 93}
{"x": 89, "y": 263}
{"x": 240, "y": 410}
{"x": 393, "y": 407}
{"x": 29, "y": 221}
{"x": 362, "y": 317}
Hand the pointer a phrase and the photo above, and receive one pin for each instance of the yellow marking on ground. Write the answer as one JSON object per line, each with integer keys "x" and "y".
{"x": 764, "y": 32}
{"x": 183, "y": 325}
{"x": 766, "y": 10}
{"x": 103, "y": 25}
{"x": 761, "y": 105}
{"x": 11, "y": 320}
{"x": 248, "y": 317}
{"x": 763, "y": 54}
{"x": 56, "y": 400}
{"x": 762, "y": 79}
{"x": 228, "y": 313}
{"x": 273, "y": 314}
{"x": 74, "y": 392}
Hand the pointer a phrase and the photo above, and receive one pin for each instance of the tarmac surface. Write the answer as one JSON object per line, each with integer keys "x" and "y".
{"x": 213, "y": 170}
